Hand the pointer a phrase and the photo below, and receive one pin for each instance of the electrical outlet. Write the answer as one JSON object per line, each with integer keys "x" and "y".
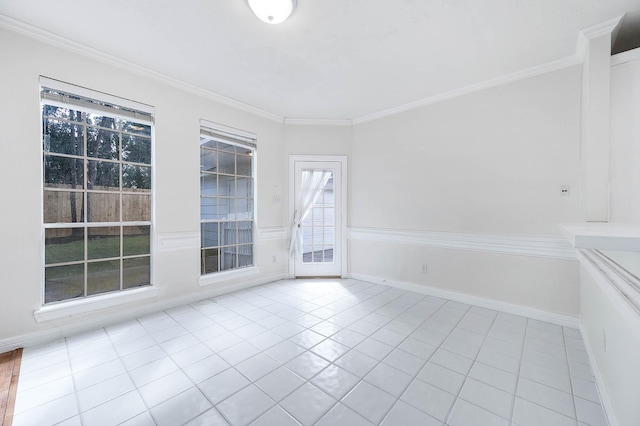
{"x": 274, "y": 259}
{"x": 565, "y": 191}
{"x": 424, "y": 268}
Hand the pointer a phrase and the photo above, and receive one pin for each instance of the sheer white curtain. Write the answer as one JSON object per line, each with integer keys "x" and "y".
{"x": 311, "y": 186}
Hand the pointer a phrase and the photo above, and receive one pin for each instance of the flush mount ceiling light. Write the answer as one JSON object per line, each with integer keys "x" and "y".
{"x": 272, "y": 11}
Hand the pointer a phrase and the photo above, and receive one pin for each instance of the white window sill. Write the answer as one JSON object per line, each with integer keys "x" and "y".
{"x": 217, "y": 277}
{"x": 90, "y": 304}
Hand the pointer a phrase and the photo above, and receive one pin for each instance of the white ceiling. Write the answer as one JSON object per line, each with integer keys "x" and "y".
{"x": 333, "y": 59}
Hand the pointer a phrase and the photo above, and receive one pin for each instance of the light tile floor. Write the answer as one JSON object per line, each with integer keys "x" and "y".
{"x": 314, "y": 352}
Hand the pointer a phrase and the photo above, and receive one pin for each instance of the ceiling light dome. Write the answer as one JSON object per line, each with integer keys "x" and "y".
{"x": 272, "y": 11}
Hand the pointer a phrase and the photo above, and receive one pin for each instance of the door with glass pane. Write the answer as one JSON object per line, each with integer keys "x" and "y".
{"x": 317, "y": 217}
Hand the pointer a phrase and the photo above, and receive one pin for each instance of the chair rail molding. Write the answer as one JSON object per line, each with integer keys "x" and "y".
{"x": 551, "y": 248}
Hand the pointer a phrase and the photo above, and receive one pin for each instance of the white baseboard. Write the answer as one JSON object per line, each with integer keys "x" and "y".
{"x": 600, "y": 385}
{"x": 510, "y": 308}
{"x": 58, "y": 332}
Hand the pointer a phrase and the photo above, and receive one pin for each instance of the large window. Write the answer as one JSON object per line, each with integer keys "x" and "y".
{"x": 96, "y": 196}
{"x": 226, "y": 200}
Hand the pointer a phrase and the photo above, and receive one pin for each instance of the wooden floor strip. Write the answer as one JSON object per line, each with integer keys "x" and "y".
{"x": 9, "y": 374}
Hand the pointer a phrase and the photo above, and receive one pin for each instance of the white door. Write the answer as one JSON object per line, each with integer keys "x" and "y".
{"x": 320, "y": 229}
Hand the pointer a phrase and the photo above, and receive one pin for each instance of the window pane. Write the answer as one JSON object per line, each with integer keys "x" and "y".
{"x": 228, "y": 233}
{"x": 228, "y": 258}
{"x": 225, "y": 208}
{"x": 136, "y": 177}
{"x": 136, "y": 207}
{"x": 226, "y": 147}
{"x": 226, "y": 186}
{"x": 209, "y": 235}
{"x": 226, "y": 163}
{"x": 208, "y": 208}
{"x": 244, "y": 187}
{"x": 136, "y": 149}
{"x": 208, "y": 184}
{"x": 208, "y": 143}
{"x": 242, "y": 208}
{"x": 103, "y": 207}
{"x": 136, "y": 272}
{"x": 102, "y": 121}
{"x": 59, "y": 112}
{"x": 243, "y": 163}
{"x": 208, "y": 160}
{"x": 63, "y": 172}
{"x": 209, "y": 261}
{"x": 63, "y": 137}
{"x": 102, "y": 143}
{"x": 103, "y": 242}
{"x": 245, "y": 232}
{"x": 317, "y": 216}
{"x": 136, "y": 128}
{"x": 136, "y": 240}
{"x": 63, "y": 207}
{"x": 103, "y": 176}
{"x": 245, "y": 255}
{"x": 103, "y": 277}
{"x": 63, "y": 245}
{"x": 63, "y": 282}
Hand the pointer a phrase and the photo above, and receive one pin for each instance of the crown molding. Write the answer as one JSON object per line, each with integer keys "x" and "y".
{"x": 609, "y": 27}
{"x": 70, "y": 45}
{"x": 316, "y": 122}
{"x": 75, "y": 47}
{"x": 520, "y": 246}
{"x": 495, "y": 82}
{"x": 603, "y": 28}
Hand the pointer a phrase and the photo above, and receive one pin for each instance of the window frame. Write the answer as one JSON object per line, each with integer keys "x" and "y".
{"x": 80, "y": 99}
{"x": 244, "y": 140}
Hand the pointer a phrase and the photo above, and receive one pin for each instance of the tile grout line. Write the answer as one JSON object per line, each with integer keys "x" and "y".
{"x": 344, "y": 300}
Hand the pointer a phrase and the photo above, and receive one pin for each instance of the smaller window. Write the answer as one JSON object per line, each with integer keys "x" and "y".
{"x": 226, "y": 200}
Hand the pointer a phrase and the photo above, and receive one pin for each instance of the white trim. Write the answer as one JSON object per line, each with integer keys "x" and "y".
{"x": 625, "y": 58}
{"x": 487, "y": 84}
{"x": 61, "y": 331}
{"x": 93, "y": 303}
{"x": 316, "y": 122}
{"x": 608, "y": 27}
{"x": 61, "y": 42}
{"x": 609, "y": 412}
{"x": 610, "y": 283}
{"x": 178, "y": 241}
{"x": 216, "y": 277}
{"x": 75, "y": 47}
{"x": 603, "y": 235}
{"x": 602, "y": 28}
{"x": 525, "y": 311}
{"x": 520, "y": 246}
{"x": 272, "y": 233}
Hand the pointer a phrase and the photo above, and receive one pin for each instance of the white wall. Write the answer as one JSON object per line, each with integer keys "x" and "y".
{"x": 490, "y": 162}
{"x": 604, "y": 313}
{"x": 625, "y": 141}
{"x": 178, "y": 115}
